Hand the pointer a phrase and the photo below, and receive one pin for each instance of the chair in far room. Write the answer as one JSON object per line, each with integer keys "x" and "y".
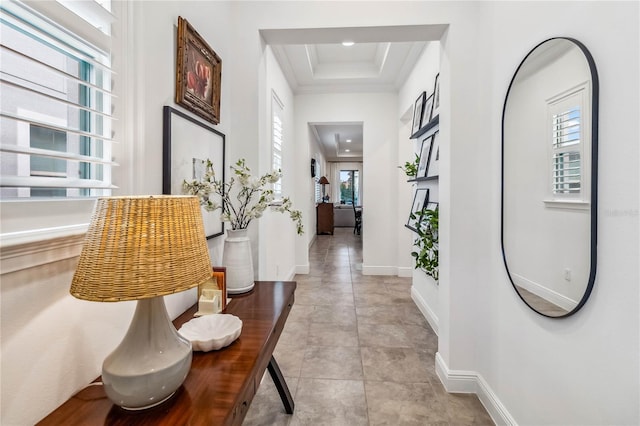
{"x": 358, "y": 220}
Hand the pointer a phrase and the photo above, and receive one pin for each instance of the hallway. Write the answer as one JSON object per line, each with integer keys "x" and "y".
{"x": 357, "y": 351}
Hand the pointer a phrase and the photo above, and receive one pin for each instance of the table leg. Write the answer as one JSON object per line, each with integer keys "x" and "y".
{"x": 281, "y": 385}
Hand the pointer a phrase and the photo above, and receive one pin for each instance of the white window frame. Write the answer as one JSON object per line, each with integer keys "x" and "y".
{"x": 35, "y": 232}
{"x": 576, "y": 96}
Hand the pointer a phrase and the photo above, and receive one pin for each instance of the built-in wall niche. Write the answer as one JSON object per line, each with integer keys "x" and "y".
{"x": 423, "y": 215}
{"x": 549, "y": 177}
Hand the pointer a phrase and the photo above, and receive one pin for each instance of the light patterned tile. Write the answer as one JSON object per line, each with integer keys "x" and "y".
{"x": 326, "y": 362}
{"x": 330, "y": 403}
{"x": 404, "y": 404}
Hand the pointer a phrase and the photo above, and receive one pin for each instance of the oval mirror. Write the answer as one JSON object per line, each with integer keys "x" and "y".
{"x": 549, "y": 177}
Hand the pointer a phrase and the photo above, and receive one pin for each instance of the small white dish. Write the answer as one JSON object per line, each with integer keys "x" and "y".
{"x": 211, "y": 332}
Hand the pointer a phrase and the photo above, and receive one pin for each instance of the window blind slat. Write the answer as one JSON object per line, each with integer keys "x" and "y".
{"x": 76, "y": 33}
{"x": 60, "y": 72}
{"x": 52, "y": 182}
{"x": 56, "y": 99}
{"x": 55, "y": 154}
{"x": 94, "y": 136}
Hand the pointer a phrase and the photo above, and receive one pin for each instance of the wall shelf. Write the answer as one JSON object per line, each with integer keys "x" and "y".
{"x": 422, "y": 179}
{"x": 424, "y": 129}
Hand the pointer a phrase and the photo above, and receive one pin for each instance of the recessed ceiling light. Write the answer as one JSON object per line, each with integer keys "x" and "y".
{"x": 348, "y": 43}
{"x": 347, "y": 150}
{"x": 348, "y": 140}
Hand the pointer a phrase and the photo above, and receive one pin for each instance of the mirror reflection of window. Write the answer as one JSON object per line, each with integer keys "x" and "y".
{"x": 569, "y": 141}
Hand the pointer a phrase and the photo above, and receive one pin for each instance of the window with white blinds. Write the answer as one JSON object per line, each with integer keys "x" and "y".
{"x": 566, "y": 168}
{"x": 569, "y": 140}
{"x": 277, "y": 139}
{"x": 56, "y": 118}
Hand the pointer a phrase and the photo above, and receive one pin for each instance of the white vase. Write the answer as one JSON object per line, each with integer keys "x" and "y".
{"x": 236, "y": 257}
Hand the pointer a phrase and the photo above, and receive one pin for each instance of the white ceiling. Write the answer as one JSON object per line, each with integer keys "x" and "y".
{"x": 315, "y": 61}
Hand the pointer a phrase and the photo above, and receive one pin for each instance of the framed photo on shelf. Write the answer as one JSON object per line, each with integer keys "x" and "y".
{"x": 427, "y": 110}
{"x": 186, "y": 145}
{"x": 420, "y": 199}
{"x": 436, "y": 96}
{"x": 434, "y": 156}
{"x": 417, "y": 113}
{"x": 424, "y": 157}
{"x": 198, "y": 74}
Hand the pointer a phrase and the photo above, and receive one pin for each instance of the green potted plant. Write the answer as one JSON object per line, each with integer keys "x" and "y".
{"x": 411, "y": 168}
{"x": 426, "y": 243}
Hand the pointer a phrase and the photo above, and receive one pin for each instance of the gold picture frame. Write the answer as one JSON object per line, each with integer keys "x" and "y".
{"x": 198, "y": 74}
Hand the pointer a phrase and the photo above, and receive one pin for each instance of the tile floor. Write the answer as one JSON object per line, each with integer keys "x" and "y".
{"x": 357, "y": 351}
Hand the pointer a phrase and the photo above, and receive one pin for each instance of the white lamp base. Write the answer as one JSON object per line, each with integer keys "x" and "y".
{"x": 150, "y": 363}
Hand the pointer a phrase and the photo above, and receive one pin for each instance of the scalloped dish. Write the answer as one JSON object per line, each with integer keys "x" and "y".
{"x": 211, "y": 332}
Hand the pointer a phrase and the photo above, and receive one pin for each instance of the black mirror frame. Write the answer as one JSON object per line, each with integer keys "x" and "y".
{"x": 595, "y": 88}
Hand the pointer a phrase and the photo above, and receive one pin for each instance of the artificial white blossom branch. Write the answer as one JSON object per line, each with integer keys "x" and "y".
{"x": 249, "y": 194}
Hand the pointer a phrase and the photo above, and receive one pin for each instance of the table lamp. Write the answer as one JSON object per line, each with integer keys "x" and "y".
{"x": 142, "y": 248}
{"x": 323, "y": 181}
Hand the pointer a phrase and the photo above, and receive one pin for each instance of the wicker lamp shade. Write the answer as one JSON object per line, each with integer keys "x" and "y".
{"x": 323, "y": 181}
{"x": 141, "y": 247}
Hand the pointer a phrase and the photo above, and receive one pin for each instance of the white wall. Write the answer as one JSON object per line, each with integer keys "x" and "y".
{"x": 583, "y": 369}
{"x": 277, "y": 231}
{"x": 377, "y": 112}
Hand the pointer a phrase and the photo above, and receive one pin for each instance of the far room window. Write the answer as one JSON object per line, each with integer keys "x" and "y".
{"x": 349, "y": 187}
{"x": 277, "y": 139}
{"x": 569, "y": 171}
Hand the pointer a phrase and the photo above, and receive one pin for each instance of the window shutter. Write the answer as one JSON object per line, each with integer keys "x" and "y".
{"x": 566, "y": 165}
{"x": 276, "y": 141}
{"x": 56, "y": 107}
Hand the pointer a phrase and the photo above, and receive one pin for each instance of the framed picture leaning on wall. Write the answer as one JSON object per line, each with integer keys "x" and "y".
{"x": 417, "y": 113}
{"x": 420, "y": 199}
{"x": 198, "y": 74}
{"x": 436, "y": 97}
{"x": 427, "y": 110}
{"x": 434, "y": 156}
{"x": 424, "y": 157}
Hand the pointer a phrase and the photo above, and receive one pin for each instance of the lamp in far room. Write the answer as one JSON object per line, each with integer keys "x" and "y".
{"x": 142, "y": 248}
{"x": 323, "y": 181}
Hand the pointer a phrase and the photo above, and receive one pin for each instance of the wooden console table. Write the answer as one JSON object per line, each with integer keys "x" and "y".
{"x": 220, "y": 385}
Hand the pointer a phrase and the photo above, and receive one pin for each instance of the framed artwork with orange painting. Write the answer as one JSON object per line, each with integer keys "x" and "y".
{"x": 198, "y": 74}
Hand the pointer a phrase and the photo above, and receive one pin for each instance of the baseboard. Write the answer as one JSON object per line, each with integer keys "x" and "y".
{"x": 379, "y": 270}
{"x": 405, "y": 272}
{"x": 462, "y": 381}
{"x": 292, "y": 273}
{"x": 541, "y": 291}
{"x": 302, "y": 269}
{"x": 428, "y": 313}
